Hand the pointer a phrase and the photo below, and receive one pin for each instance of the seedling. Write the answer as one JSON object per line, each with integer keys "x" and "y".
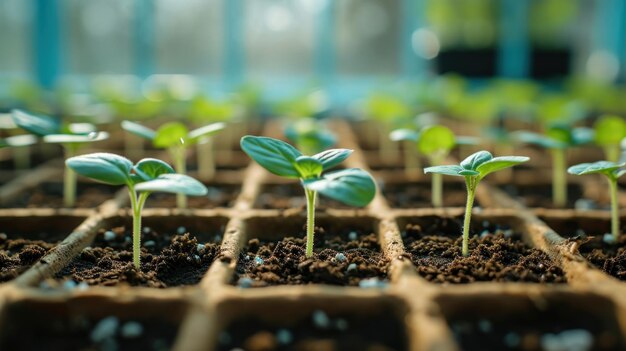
{"x": 310, "y": 136}
{"x": 176, "y": 138}
{"x": 474, "y": 168}
{"x": 20, "y": 147}
{"x": 71, "y": 136}
{"x": 387, "y": 110}
{"x": 612, "y": 171}
{"x": 558, "y": 139}
{"x": 142, "y": 179}
{"x": 353, "y": 187}
{"x": 609, "y": 133}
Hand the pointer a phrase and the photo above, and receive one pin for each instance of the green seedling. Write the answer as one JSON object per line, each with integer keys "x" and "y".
{"x": 474, "y": 168}
{"x": 612, "y": 171}
{"x": 435, "y": 142}
{"x": 558, "y": 139}
{"x": 176, "y": 138}
{"x": 71, "y": 136}
{"x": 609, "y": 133}
{"x": 387, "y": 110}
{"x": 20, "y": 148}
{"x": 310, "y": 136}
{"x": 353, "y": 187}
{"x": 142, "y": 179}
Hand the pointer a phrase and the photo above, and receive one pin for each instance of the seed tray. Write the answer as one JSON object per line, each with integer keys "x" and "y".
{"x": 220, "y": 313}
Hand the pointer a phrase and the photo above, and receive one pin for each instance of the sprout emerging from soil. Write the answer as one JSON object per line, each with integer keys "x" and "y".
{"x": 353, "y": 187}
{"x": 142, "y": 179}
{"x": 176, "y": 138}
{"x": 71, "y": 136}
{"x": 609, "y": 133}
{"x": 474, "y": 168}
{"x": 612, "y": 171}
{"x": 558, "y": 139}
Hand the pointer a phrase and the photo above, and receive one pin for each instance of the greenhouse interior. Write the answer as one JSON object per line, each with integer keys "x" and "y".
{"x": 367, "y": 175}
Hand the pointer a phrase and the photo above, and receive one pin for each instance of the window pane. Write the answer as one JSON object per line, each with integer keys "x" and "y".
{"x": 278, "y": 38}
{"x": 189, "y": 36}
{"x": 98, "y": 36}
{"x": 15, "y": 36}
{"x": 368, "y": 36}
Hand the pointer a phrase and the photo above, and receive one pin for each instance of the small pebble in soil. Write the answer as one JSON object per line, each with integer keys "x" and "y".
{"x": 372, "y": 283}
{"x": 484, "y": 233}
{"x": 512, "y": 340}
{"x": 608, "y": 238}
{"x": 217, "y": 239}
{"x": 320, "y": 319}
{"x": 351, "y": 267}
{"x": 200, "y": 247}
{"x": 353, "y": 236}
{"x": 131, "y": 330}
{"x": 340, "y": 257}
{"x": 109, "y": 235}
{"x": 3, "y": 236}
{"x": 149, "y": 243}
{"x": 147, "y": 230}
{"x": 341, "y": 324}
{"x": 105, "y": 329}
{"x": 568, "y": 340}
{"x": 284, "y": 336}
{"x": 584, "y": 204}
{"x": 258, "y": 260}
{"x": 484, "y": 325}
{"x": 69, "y": 285}
{"x": 244, "y": 282}
{"x": 181, "y": 230}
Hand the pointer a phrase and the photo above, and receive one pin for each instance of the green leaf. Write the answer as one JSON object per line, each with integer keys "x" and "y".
{"x": 275, "y": 155}
{"x": 81, "y": 128}
{"x": 139, "y": 130}
{"x": 104, "y": 167}
{"x": 199, "y": 133}
{"x": 582, "y": 136}
{"x": 610, "y": 169}
{"x": 151, "y": 168}
{"x": 308, "y": 167}
{"x": 498, "y": 163}
{"x": 174, "y": 183}
{"x": 452, "y": 170}
{"x": 170, "y": 134}
{"x": 75, "y": 138}
{"x": 333, "y": 157}
{"x": 436, "y": 139}
{"x": 404, "y": 134}
{"x": 609, "y": 130}
{"x": 38, "y": 125}
{"x": 353, "y": 187}
{"x": 476, "y": 159}
{"x": 539, "y": 140}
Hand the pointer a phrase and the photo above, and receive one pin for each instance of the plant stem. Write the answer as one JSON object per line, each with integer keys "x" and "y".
{"x": 310, "y": 220}
{"x": 614, "y": 209}
{"x": 436, "y": 191}
{"x": 180, "y": 164}
{"x": 412, "y": 164}
{"x": 612, "y": 153}
{"x": 136, "y": 206}
{"x": 471, "y": 183}
{"x": 205, "y": 158}
{"x": 559, "y": 180}
{"x": 69, "y": 178}
{"x": 21, "y": 157}
{"x": 388, "y": 151}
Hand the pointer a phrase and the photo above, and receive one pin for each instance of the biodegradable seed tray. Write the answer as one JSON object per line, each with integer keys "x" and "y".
{"x": 367, "y": 288}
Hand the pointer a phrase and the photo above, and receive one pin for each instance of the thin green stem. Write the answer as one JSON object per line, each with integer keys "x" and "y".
{"x": 21, "y": 157}
{"x": 559, "y": 180}
{"x": 137, "y": 203}
{"x": 471, "y": 183}
{"x": 614, "y": 209}
{"x": 69, "y": 178}
{"x": 180, "y": 164}
{"x": 205, "y": 158}
{"x": 437, "y": 182}
{"x": 412, "y": 164}
{"x": 310, "y": 220}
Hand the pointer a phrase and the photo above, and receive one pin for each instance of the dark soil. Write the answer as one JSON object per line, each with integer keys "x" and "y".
{"x": 166, "y": 260}
{"x": 17, "y": 255}
{"x": 284, "y": 196}
{"x": 418, "y": 195}
{"x": 535, "y": 328}
{"x": 498, "y": 254}
{"x": 264, "y": 263}
{"x": 540, "y": 196}
{"x": 28, "y": 330}
{"x": 358, "y": 333}
{"x": 50, "y": 195}
{"x": 220, "y": 195}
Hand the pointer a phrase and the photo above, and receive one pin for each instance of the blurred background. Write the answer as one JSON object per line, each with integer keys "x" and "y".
{"x": 343, "y": 50}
